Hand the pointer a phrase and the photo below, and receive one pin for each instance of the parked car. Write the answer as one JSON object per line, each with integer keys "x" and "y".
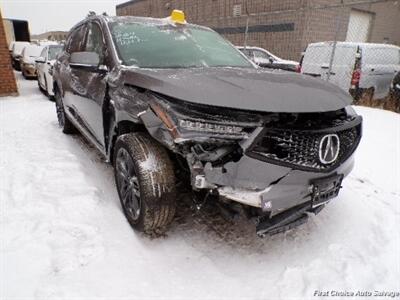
{"x": 44, "y": 68}
{"x": 357, "y": 67}
{"x": 27, "y": 61}
{"x": 168, "y": 102}
{"x": 266, "y": 59}
{"x": 16, "y": 51}
{"x": 10, "y": 48}
{"x": 395, "y": 87}
{"x": 47, "y": 43}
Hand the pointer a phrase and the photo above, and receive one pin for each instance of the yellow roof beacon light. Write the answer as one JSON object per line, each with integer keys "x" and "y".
{"x": 178, "y": 16}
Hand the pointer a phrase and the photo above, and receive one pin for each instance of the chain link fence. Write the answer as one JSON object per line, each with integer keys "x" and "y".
{"x": 352, "y": 44}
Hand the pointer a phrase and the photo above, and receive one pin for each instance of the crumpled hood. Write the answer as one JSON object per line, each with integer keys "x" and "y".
{"x": 239, "y": 88}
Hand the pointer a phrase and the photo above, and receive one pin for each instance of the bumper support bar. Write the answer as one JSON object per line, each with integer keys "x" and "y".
{"x": 289, "y": 219}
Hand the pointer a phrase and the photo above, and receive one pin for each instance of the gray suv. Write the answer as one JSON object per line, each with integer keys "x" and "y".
{"x": 174, "y": 105}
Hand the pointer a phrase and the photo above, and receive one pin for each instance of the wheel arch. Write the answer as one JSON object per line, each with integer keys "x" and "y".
{"x": 119, "y": 127}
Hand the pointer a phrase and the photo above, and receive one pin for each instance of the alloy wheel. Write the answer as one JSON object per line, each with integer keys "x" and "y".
{"x": 128, "y": 184}
{"x": 60, "y": 110}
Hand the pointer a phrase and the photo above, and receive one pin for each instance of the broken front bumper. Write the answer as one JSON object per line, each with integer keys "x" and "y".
{"x": 268, "y": 186}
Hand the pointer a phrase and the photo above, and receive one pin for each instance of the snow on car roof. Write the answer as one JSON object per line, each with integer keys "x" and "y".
{"x": 139, "y": 20}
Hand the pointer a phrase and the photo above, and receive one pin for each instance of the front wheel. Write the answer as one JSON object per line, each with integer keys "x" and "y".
{"x": 145, "y": 181}
{"x": 63, "y": 121}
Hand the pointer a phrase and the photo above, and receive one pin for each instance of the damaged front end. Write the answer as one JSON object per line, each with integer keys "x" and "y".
{"x": 270, "y": 164}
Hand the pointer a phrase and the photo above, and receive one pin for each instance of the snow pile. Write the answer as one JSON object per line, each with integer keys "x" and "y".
{"x": 63, "y": 234}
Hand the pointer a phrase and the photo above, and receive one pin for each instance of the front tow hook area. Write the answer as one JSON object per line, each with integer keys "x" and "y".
{"x": 289, "y": 219}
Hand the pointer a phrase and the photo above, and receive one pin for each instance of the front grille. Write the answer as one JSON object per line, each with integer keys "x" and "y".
{"x": 299, "y": 149}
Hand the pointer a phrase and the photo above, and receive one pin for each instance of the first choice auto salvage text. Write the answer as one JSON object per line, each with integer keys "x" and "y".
{"x": 335, "y": 293}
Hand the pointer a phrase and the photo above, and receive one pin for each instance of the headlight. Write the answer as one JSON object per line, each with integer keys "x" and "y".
{"x": 193, "y": 121}
{"x": 211, "y": 127}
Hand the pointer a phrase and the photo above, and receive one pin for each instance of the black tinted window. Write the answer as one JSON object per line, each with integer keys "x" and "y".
{"x": 76, "y": 40}
{"x": 247, "y": 52}
{"x": 94, "y": 41}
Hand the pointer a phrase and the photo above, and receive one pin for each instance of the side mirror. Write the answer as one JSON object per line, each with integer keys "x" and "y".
{"x": 271, "y": 60}
{"x": 40, "y": 60}
{"x": 84, "y": 60}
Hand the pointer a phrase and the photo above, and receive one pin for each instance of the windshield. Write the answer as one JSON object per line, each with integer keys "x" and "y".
{"x": 32, "y": 51}
{"x": 53, "y": 51}
{"x": 168, "y": 46}
{"x": 18, "y": 47}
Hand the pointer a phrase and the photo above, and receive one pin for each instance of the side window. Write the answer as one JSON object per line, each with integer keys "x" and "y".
{"x": 94, "y": 41}
{"x": 76, "y": 40}
{"x": 260, "y": 54}
{"x": 247, "y": 52}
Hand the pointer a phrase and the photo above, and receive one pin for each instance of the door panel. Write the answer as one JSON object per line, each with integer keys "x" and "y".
{"x": 342, "y": 66}
{"x": 75, "y": 43}
{"x": 316, "y": 60}
{"x": 381, "y": 65}
{"x": 40, "y": 68}
{"x": 89, "y": 87}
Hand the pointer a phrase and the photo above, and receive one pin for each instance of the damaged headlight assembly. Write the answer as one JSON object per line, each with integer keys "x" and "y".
{"x": 183, "y": 126}
{"x": 212, "y": 128}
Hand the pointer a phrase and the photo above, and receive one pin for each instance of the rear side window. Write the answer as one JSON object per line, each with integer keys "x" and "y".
{"x": 382, "y": 56}
{"x": 76, "y": 40}
{"x": 94, "y": 41}
{"x": 247, "y": 52}
{"x": 260, "y": 54}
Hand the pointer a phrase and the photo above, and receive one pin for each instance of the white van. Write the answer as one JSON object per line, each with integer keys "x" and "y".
{"x": 356, "y": 67}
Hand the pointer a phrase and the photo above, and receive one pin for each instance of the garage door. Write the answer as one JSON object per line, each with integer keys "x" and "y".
{"x": 359, "y": 26}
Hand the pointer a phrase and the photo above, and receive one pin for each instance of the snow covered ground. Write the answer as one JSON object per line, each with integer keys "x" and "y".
{"x": 63, "y": 234}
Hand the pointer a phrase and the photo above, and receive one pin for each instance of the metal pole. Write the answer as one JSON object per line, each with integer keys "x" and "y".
{"x": 246, "y": 33}
{"x": 334, "y": 44}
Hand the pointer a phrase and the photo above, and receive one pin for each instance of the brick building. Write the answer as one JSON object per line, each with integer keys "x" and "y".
{"x": 285, "y": 27}
{"x": 8, "y": 85}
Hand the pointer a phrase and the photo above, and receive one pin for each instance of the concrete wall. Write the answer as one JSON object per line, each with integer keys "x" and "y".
{"x": 8, "y": 85}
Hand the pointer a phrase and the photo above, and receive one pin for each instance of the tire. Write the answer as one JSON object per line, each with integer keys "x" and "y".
{"x": 145, "y": 181}
{"x": 46, "y": 90}
{"x": 63, "y": 121}
{"x": 40, "y": 87}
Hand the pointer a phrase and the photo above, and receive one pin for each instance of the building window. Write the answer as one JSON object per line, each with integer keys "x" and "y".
{"x": 237, "y": 10}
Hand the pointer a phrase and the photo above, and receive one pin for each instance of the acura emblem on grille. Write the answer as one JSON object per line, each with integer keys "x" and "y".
{"x": 329, "y": 147}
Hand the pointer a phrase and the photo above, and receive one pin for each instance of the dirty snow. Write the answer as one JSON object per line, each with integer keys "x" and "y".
{"x": 63, "y": 235}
